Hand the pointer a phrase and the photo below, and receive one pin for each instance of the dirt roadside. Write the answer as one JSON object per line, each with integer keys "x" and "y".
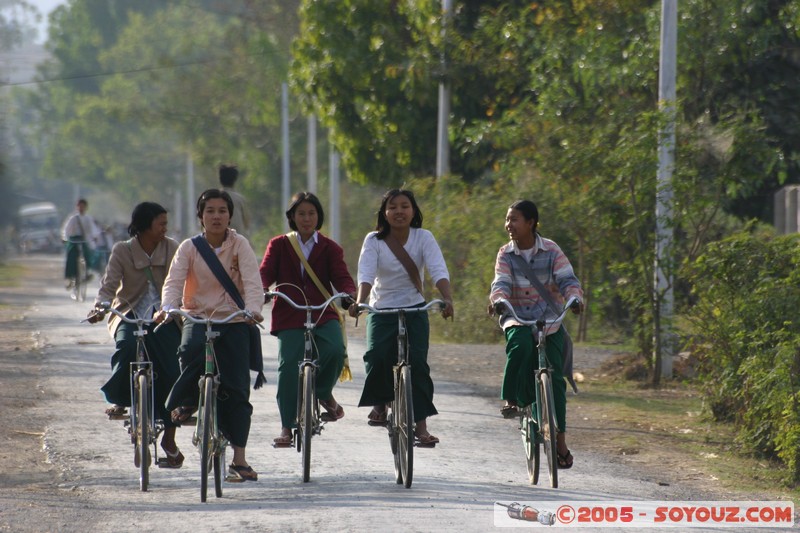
{"x": 28, "y": 482}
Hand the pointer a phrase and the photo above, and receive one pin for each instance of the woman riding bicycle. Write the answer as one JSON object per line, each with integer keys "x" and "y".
{"x": 132, "y": 283}
{"x": 79, "y": 232}
{"x": 192, "y": 282}
{"x": 554, "y": 271}
{"x": 282, "y": 265}
{"x": 385, "y": 281}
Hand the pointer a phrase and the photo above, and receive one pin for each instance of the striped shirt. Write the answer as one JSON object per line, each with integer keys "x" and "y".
{"x": 551, "y": 267}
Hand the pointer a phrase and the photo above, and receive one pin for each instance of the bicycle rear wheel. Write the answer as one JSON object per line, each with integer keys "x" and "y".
{"x": 143, "y": 429}
{"x": 548, "y": 427}
{"x": 530, "y": 443}
{"x": 405, "y": 425}
{"x": 204, "y": 419}
{"x": 306, "y": 422}
{"x": 219, "y": 469}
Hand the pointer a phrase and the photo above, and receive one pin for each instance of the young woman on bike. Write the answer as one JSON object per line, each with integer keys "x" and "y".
{"x": 281, "y": 265}
{"x": 192, "y": 286}
{"x": 384, "y": 282}
{"x": 79, "y": 232}
{"x": 554, "y": 271}
{"x": 132, "y": 283}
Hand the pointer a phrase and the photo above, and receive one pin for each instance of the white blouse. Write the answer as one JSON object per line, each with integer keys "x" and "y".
{"x": 391, "y": 285}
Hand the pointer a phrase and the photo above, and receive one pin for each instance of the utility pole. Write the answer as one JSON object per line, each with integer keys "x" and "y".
{"x": 442, "y": 139}
{"x": 191, "y": 198}
{"x": 334, "y": 224}
{"x": 285, "y": 184}
{"x": 664, "y": 344}
{"x": 312, "y": 154}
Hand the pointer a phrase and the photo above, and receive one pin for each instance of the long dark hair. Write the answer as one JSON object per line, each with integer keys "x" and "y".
{"x": 143, "y": 216}
{"x": 299, "y": 198}
{"x": 382, "y": 227}
{"x": 528, "y": 210}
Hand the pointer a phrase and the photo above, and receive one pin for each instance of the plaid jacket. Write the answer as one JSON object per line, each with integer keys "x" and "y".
{"x": 552, "y": 268}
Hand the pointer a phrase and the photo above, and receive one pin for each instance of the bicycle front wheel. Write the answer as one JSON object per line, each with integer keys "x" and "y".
{"x": 548, "y": 427}
{"x": 143, "y": 429}
{"x": 306, "y": 422}
{"x": 80, "y": 281}
{"x": 204, "y": 420}
{"x": 405, "y": 425}
{"x": 530, "y": 443}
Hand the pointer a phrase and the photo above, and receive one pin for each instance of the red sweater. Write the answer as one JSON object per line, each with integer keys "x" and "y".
{"x": 281, "y": 265}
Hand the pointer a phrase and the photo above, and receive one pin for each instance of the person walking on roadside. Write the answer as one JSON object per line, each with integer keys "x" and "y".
{"x": 79, "y": 233}
{"x": 132, "y": 283}
{"x": 240, "y": 221}
{"x": 544, "y": 259}
{"x": 306, "y": 266}
{"x": 193, "y": 286}
{"x": 385, "y": 281}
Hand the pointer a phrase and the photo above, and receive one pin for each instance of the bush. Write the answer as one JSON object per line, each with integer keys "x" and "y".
{"x": 747, "y": 337}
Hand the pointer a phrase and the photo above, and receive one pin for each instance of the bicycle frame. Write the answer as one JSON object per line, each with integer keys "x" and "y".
{"x": 306, "y": 390}
{"x": 142, "y": 424}
{"x": 546, "y": 430}
{"x": 400, "y": 421}
{"x": 207, "y": 436}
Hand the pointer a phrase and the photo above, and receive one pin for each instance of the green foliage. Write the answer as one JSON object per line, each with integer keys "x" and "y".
{"x": 746, "y": 336}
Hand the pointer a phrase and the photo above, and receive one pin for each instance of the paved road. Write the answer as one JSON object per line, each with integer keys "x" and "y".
{"x": 352, "y": 488}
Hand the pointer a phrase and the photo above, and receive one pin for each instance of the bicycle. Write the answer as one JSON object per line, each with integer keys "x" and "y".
{"x": 309, "y": 421}
{"x": 79, "y": 283}
{"x": 207, "y": 436}
{"x": 536, "y": 434}
{"x": 400, "y": 419}
{"x": 143, "y": 427}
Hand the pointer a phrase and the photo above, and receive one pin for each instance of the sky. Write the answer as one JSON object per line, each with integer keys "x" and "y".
{"x": 45, "y": 7}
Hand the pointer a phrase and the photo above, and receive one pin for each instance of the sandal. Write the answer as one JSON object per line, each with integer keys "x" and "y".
{"x": 182, "y": 414}
{"x": 240, "y": 474}
{"x": 333, "y": 411}
{"x": 117, "y": 412}
{"x": 172, "y": 460}
{"x": 282, "y": 441}
{"x": 509, "y": 411}
{"x": 426, "y": 441}
{"x": 377, "y": 417}
{"x": 564, "y": 461}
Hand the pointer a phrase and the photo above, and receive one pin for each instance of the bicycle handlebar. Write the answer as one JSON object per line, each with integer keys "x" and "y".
{"x": 571, "y": 303}
{"x": 212, "y": 321}
{"x": 105, "y": 307}
{"x": 320, "y": 307}
{"x": 436, "y": 305}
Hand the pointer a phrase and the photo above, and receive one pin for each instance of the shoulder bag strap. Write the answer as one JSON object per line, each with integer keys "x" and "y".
{"x": 216, "y": 267}
{"x": 528, "y": 272}
{"x": 402, "y": 255}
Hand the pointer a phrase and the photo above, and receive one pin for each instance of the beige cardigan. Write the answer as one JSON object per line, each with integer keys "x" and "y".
{"x": 125, "y": 280}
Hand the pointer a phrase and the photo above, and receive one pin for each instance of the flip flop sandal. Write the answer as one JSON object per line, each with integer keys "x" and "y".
{"x": 331, "y": 414}
{"x": 509, "y": 411}
{"x": 426, "y": 441}
{"x": 182, "y": 414}
{"x": 377, "y": 418}
{"x": 117, "y": 412}
{"x": 282, "y": 442}
{"x": 172, "y": 460}
{"x": 240, "y": 474}
{"x": 565, "y": 461}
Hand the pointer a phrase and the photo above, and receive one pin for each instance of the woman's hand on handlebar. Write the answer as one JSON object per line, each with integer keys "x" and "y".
{"x": 257, "y": 318}
{"x": 353, "y": 310}
{"x": 448, "y": 310}
{"x": 161, "y": 316}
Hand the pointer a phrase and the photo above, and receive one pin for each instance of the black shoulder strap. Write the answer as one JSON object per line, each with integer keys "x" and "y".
{"x": 216, "y": 267}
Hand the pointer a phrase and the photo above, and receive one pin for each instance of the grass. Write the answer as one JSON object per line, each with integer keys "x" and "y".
{"x": 10, "y": 275}
{"x": 672, "y": 421}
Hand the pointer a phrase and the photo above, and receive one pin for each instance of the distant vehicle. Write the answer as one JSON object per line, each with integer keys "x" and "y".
{"x": 39, "y": 228}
